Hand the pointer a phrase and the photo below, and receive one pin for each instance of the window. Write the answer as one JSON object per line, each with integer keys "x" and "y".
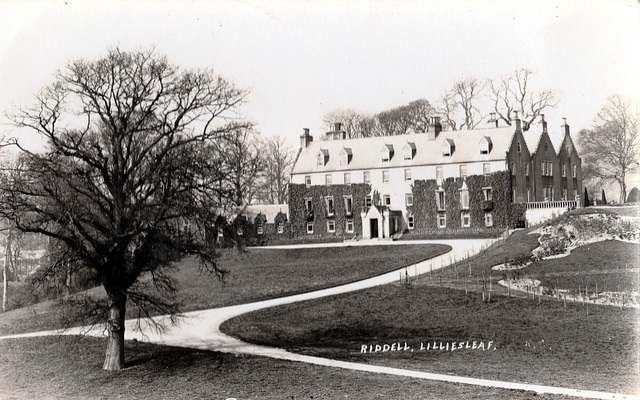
{"x": 574, "y": 171}
{"x": 513, "y": 168}
{"x": 442, "y": 220}
{"x": 331, "y": 226}
{"x": 486, "y": 168}
{"x": 309, "y": 227}
{"x": 240, "y": 230}
{"x": 385, "y": 176}
{"x": 260, "y": 227}
{"x": 348, "y": 205}
{"x": 564, "y": 193}
{"x": 547, "y": 168}
{"x": 329, "y": 206}
{"x": 407, "y": 174}
{"x": 485, "y": 145}
{"x": 408, "y": 199}
{"x": 280, "y": 227}
{"x": 513, "y": 194}
{"x": 487, "y": 192}
{"x": 575, "y": 194}
{"x": 328, "y": 179}
{"x": 528, "y": 195}
{"x": 308, "y": 205}
{"x": 367, "y": 201}
{"x": 409, "y": 150}
{"x": 366, "y": 176}
{"x": 387, "y": 152}
{"x": 320, "y": 160}
{"x": 465, "y": 219}
{"x": 410, "y": 222}
{"x": 347, "y": 178}
{"x": 548, "y": 193}
{"x": 488, "y": 219}
{"x": 463, "y": 171}
{"x": 464, "y": 199}
{"x": 307, "y": 180}
{"x": 519, "y": 147}
{"x": 439, "y": 173}
{"x": 349, "y": 226}
{"x": 564, "y": 170}
{"x": 220, "y": 232}
{"x": 440, "y": 200}
{"x": 386, "y": 200}
{"x": 526, "y": 169}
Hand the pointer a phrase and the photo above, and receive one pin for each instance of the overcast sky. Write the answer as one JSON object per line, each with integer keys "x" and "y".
{"x": 302, "y": 59}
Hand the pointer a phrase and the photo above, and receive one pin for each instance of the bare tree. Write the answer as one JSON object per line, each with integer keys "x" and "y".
{"x": 514, "y": 93}
{"x": 459, "y": 104}
{"x": 240, "y": 162}
{"x": 124, "y": 181}
{"x": 350, "y": 119}
{"x": 447, "y": 110}
{"x": 278, "y": 159}
{"x": 611, "y": 148}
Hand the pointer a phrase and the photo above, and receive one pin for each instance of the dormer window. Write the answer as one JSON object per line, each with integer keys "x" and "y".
{"x": 322, "y": 158}
{"x": 486, "y": 145}
{"x": 345, "y": 156}
{"x": 448, "y": 147}
{"x": 409, "y": 151}
{"x": 387, "y": 152}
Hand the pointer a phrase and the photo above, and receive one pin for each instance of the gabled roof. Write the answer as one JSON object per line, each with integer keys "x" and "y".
{"x": 270, "y": 211}
{"x": 366, "y": 151}
{"x": 347, "y": 151}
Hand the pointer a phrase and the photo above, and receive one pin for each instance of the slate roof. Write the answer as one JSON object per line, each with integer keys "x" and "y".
{"x": 366, "y": 151}
{"x": 270, "y": 211}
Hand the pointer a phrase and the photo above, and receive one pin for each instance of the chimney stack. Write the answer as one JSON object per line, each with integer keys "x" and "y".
{"x": 544, "y": 123}
{"x": 434, "y": 127}
{"x": 517, "y": 121}
{"x": 305, "y": 139}
{"x": 565, "y": 126}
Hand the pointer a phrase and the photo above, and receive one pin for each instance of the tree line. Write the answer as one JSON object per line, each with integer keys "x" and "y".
{"x": 465, "y": 105}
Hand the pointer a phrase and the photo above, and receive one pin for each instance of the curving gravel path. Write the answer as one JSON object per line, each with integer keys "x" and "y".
{"x": 201, "y": 329}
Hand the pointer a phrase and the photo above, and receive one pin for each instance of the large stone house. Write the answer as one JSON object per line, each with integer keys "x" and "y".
{"x": 437, "y": 181}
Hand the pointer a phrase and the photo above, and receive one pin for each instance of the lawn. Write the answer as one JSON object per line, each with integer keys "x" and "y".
{"x": 256, "y": 274}
{"x": 535, "y": 342}
{"x": 67, "y": 368}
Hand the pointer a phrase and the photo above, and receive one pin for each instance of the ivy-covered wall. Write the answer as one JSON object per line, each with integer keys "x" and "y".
{"x": 504, "y": 212}
{"x": 298, "y": 193}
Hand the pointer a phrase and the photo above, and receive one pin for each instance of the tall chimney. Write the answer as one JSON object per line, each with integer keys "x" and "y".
{"x": 544, "y": 123}
{"x": 305, "y": 139}
{"x": 518, "y": 122}
{"x": 434, "y": 127}
{"x": 565, "y": 126}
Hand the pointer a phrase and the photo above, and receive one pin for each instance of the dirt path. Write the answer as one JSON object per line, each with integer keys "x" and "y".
{"x": 201, "y": 329}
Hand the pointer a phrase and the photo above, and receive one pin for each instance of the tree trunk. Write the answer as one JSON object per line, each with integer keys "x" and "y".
{"x": 5, "y": 273}
{"x": 114, "y": 357}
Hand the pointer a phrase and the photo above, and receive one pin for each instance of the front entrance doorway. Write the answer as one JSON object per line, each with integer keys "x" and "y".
{"x": 374, "y": 228}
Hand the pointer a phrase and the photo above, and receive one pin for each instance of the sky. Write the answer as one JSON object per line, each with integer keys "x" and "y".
{"x": 302, "y": 59}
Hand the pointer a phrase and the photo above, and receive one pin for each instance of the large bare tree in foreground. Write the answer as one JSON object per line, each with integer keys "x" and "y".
{"x": 611, "y": 148}
{"x": 124, "y": 181}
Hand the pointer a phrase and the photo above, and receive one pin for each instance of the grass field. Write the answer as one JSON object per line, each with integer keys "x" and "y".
{"x": 256, "y": 274}
{"x": 65, "y": 368}
{"x": 542, "y": 343}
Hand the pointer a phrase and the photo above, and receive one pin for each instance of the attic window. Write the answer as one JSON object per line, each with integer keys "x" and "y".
{"x": 409, "y": 151}
{"x": 486, "y": 145}
{"x": 322, "y": 158}
{"x": 387, "y": 152}
{"x": 345, "y": 157}
{"x": 448, "y": 147}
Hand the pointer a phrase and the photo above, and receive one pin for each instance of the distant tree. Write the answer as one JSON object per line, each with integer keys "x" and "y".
{"x": 351, "y": 120}
{"x": 278, "y": 159}
{"x": 239, "y": 161}
{"x": 586, "y": 202}
{"x": 460, "y": 104}
{"x": 513, "y": 92}
{"x": 611, "y": 148}
{"x": 634, "y": 196}
{"x": 603, "y": 198}
{"x": 124, "y": 180}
